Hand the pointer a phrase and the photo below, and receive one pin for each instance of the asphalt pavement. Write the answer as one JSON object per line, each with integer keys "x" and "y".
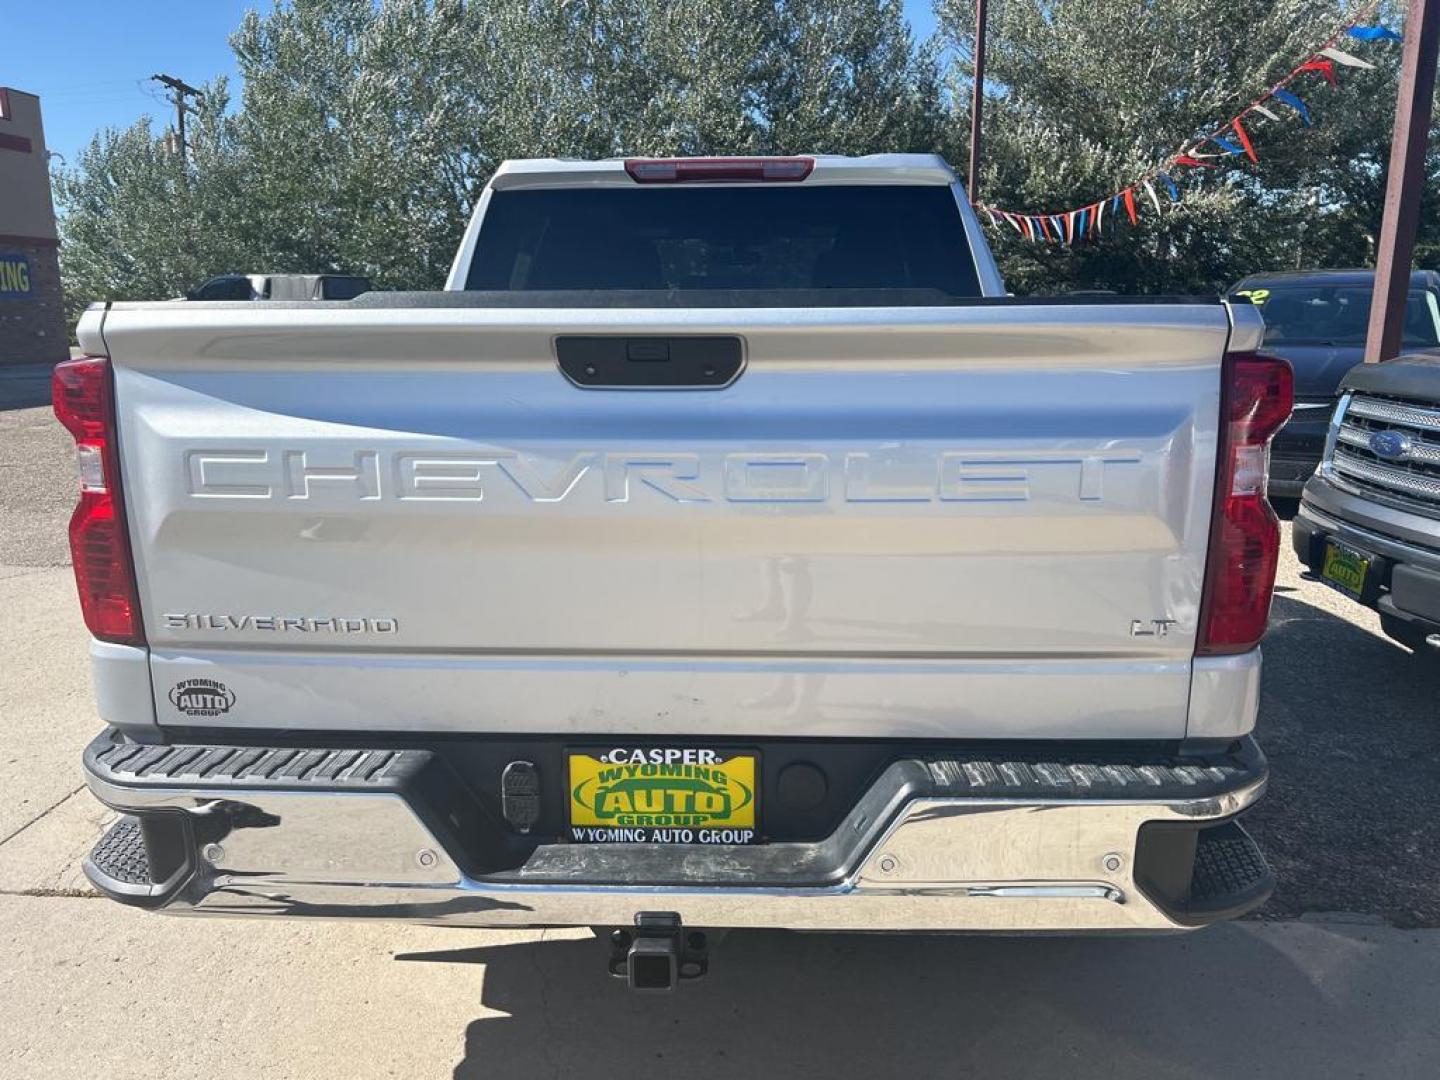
{"x": 1338, "y": 976}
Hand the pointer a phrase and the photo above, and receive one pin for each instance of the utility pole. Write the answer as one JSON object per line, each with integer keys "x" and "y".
{"x": 180, "y": 91}
{"x": 977, "y": 102}
{"x": 1406, "y": 181}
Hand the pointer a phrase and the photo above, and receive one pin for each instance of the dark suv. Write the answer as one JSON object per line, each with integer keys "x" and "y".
{"x": 1317, "y": 319}
{"x": 1369, "y": 523}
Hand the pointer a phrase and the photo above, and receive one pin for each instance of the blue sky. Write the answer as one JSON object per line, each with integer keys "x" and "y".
{"x": 90, "y": 60}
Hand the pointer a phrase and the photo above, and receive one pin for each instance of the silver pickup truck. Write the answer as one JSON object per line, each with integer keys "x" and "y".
{"x": 721, "y": 548}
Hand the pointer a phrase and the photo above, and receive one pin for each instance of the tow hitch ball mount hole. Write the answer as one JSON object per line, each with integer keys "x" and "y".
{"x": 659, "y": 952}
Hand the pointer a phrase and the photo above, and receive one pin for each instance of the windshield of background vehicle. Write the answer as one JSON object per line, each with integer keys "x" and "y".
{"x": 1336, "y": 315}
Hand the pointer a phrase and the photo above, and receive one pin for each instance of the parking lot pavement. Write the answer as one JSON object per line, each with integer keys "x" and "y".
{"x": 1340, "y": 977}
{"x": 37, "y": 473}
{"x": 1351, "y": 724}
{"x": 97, "y": 990}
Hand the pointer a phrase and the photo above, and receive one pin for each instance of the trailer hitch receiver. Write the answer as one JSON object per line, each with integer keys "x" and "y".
{"x": 658, "y": 952}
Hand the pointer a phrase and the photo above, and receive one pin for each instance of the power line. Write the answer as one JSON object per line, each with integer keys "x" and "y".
{"x": 180, "y": 90}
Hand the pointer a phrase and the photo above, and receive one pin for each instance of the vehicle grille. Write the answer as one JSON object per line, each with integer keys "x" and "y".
{"x": 1411, "y": 477}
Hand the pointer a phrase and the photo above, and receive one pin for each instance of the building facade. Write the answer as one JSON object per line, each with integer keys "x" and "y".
{"x": 32, "y": 309}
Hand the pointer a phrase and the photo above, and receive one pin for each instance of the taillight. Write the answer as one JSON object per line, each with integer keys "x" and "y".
{"x": 82, "y": 391}
{"x": 718, "y": 170}
{"x": 1257, "y": 394}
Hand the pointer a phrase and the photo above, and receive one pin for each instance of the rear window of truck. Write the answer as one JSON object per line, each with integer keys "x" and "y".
{"x": 705, "y": 239}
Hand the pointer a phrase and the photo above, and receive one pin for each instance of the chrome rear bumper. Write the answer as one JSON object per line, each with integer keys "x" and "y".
{"x": 972, "y": 844}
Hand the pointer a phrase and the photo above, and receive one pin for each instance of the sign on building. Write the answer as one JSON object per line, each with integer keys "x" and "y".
{"x": 14, "y": 276}
{"x": 32, "y": 305}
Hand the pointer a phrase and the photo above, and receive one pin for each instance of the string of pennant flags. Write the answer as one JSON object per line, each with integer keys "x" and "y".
{"x": 1230, "y": 140}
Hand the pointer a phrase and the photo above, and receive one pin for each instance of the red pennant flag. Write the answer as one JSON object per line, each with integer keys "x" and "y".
{"x": 1324, "y": 67}
{"x": 1130, "y": 206}
{"x": 1192, "y": 162}
{"x": 1044, "y": 228}
{"x": 1095, "y": 218}
{"x": 1244, "y": 139}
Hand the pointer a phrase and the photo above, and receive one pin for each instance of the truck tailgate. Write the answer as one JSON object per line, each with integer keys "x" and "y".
{"x": 407, "y": 518}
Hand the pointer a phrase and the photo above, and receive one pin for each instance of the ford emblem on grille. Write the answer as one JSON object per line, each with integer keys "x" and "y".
{"x": 1390, "y": 445}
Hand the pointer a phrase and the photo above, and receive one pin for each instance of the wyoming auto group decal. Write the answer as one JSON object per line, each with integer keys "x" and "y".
{"x": 202, "y": 697}
{"x": 663, "y": 796}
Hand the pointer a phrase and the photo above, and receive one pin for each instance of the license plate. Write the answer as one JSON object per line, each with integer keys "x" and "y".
{"x": 1345, "y": 568}
{"x": 663, "y": 795}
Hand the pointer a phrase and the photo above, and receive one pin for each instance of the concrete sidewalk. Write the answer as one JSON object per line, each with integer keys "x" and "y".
{"x": 97, "y": 990}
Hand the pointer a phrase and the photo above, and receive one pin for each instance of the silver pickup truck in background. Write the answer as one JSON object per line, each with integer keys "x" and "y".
{"x": 722, "y": 548}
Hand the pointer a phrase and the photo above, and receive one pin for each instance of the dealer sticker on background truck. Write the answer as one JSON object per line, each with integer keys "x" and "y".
{"x": 662, "y": 795}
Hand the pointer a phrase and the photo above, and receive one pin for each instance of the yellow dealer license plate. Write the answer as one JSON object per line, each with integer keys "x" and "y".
{"x": 663, "y": 795}
{"x": 1345, "y": 568}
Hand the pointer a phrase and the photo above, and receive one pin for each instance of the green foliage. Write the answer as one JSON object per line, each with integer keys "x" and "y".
{"x": 1086, "y": 96}
{"x": 366, "y": 129}
{"x": 138, "y": 223}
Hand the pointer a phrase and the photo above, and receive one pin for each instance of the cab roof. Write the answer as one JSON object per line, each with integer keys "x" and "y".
{"x": 828, "y": 169}
{"x": 1420, "y": 278}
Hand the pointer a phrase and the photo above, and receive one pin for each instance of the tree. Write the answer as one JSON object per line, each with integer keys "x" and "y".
{"x": 138, "y": 222}
{"x": 1087, "y": 95}
{"x": 366, "y": 130}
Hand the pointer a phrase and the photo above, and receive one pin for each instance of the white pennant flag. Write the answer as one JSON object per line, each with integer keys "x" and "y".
{"x": 1100, "y": 215}
{"x": 1264, "y": 112}
{"x": 1153, "y": 197}
{"x": 1346, "y": 59}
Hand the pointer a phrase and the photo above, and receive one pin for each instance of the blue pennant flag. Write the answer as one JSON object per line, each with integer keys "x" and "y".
{"x": 1114, "y": 206}
{"x": 1080, "y": 227}
{"x": 1295, "y": 103}
{"x": 1226, "y": 144}
{"x": 1374, "y": 33}
{"x": 1174, "y": 191}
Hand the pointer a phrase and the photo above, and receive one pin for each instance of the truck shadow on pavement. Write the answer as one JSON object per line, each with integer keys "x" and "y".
{"x": 1228, "y": 1002}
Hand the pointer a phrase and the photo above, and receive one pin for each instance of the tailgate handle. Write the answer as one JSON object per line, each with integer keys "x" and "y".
{"x": 654, "y": 362}
{"x": 647, "y": 350}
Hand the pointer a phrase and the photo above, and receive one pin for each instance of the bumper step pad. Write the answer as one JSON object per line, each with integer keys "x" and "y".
{"x": 252, "y": 766}
{"x": 999, "y": 777}
{"x": 120, "y": 854}
{"x": 122, "y": 864}
{"x": 1230, "y": 876}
